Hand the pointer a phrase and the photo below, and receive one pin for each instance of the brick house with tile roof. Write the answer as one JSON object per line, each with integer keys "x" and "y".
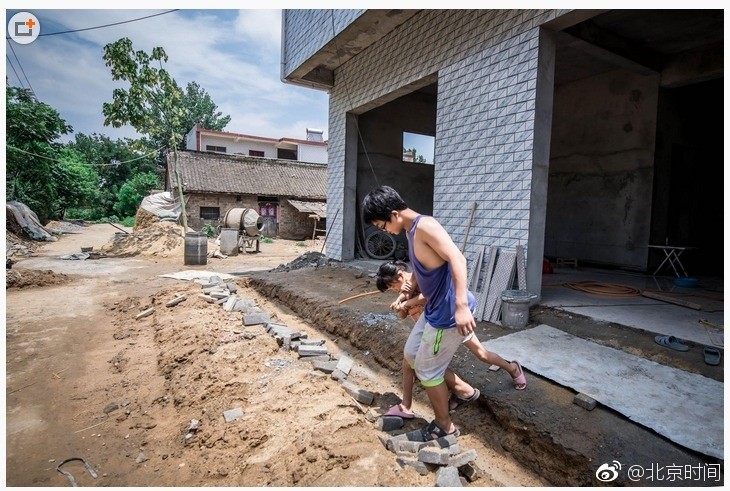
{"x": 276, "y": 188}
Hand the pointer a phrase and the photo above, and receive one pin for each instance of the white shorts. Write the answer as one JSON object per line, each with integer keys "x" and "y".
{"x": 429, "y": 350}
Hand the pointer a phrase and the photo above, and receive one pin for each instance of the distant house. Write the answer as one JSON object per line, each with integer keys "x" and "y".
{"x": 313, "y": 149}
{"x": 289, "y": 196}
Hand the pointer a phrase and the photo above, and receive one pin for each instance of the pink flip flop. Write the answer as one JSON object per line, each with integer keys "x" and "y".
{"x": 519, "y": 382}
{"x": 396, "y": 411}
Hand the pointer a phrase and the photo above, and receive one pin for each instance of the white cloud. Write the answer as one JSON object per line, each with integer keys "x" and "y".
{"x": 233, "y": 55}
{"x": 262, "y": 26}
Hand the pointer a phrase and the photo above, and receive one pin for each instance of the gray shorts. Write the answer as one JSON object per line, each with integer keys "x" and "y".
{"x": 429, "y": 350}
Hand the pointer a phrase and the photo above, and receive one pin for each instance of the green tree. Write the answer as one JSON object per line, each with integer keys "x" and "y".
{"x": 153, "y": 102}
{"x": 131, "y": 193}
{"x": 116, "y": 161}
{"x": 32, "y": 128}
{"x": 77, "y": 183}
{"x": 200, "y": 108}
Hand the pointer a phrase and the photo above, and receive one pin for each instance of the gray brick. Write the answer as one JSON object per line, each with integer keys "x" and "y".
{"x": 319, "y": 358}
{"x": 448, "y": 477}
{"x": 390, "y": 423}
{"x": 345, "y": 364}
{"x": 176, "y": 300}
{"x": 278, "y": 329}
{"x": 207, "y": 298}
{"x": 145, "y": 313}
{"x": 312, "y": 342}
{"x": 392, "y": 442}
{"x": 432, "y": 455}
{"x": 584, "y": 401}
{"x": 454, "y": 449}
{"x": 233, "y": 414}
{"x": 324, "y": 366}
{"x": 228, "y": 307}
{"x": 360, "y": 395}
{"x": 419, "y": 466}
{"x": 463, "y": 458}
{"x": 312, "y": 350}
{"x": 241, "y": 305}
{"x": 338, "y": 374}
{"x": 256, "y": 318}
{"x": 407, "y": 446}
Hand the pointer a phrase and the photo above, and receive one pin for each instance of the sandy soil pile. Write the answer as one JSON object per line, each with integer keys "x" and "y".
{"x": 64, "y": 227}
{"x": 162, "y": 239}
{"x": 144, "y": 219}
{"x": 309, "y": 259}
{"x": 24, "y": 278}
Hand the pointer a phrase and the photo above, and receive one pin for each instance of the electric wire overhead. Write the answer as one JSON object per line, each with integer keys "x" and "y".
{"x": 105, "y": 25}
{"x": 90, "y": 165}
{"x": 14, "y": 71}
{"x": 21, "y": 69}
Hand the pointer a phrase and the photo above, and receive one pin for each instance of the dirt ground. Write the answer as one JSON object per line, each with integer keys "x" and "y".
{"x": 142, "y": 400}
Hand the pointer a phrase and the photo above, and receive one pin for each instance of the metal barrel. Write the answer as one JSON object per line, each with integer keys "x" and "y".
{"x": 196, "y": 248}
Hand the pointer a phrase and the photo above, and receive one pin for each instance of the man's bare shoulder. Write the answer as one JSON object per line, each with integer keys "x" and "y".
{"x": 429, "y": 225}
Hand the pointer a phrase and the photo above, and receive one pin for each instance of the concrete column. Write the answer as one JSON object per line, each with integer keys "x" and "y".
{"x": 540, "y": 160}
{"x": 348, "y": 214}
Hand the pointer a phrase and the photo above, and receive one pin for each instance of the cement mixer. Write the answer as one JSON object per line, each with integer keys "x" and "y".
{"x": 241, "y": 230}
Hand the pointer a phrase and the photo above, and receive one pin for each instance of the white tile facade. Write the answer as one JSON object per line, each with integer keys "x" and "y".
{"x": 486, "y": 62}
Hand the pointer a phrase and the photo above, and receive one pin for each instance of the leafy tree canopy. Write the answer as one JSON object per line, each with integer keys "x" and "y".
{"x": 154, "y": 104}
{"x": 32, "y": 128}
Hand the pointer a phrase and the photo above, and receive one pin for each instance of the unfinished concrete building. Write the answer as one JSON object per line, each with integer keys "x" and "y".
{"x": 586, "y": 134}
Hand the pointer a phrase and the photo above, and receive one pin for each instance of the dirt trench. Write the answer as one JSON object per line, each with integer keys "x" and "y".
{"x": 540, "y": 427}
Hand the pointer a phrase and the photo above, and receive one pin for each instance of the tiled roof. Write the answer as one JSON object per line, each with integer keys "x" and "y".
{"x": 204, "y": 172}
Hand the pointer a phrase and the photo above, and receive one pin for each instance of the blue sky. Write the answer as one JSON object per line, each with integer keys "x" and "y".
{"x": 234, "y": 55}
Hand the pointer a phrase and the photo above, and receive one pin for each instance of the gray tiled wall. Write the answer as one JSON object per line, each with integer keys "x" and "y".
{"x": 486, "y": 62}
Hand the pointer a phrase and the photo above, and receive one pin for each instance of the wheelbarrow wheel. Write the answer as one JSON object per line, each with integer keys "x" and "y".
{"x": 379, "y": 245}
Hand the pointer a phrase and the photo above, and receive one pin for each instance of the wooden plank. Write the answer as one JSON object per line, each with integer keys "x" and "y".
{"x": 668, "y": 299}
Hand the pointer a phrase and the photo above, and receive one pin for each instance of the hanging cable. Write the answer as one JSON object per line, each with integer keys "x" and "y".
{"x": 105, "y": 25}
{"x": 14, "y": 71}
{"x": 23, "y": 71}
{"x": 90, "y": 165}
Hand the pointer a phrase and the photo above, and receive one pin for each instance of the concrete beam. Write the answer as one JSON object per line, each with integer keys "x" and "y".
{"x": 603, "y": 54}
{"x": 693, "y": 67}
{"x": 605, "y": 44}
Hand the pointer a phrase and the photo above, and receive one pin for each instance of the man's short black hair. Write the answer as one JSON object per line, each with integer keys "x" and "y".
{"x": 388, "y": 273}
{"x": 380, "y": 203}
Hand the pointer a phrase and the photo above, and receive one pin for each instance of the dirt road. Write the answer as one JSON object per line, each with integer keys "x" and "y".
{"x": 85, "y": 378}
